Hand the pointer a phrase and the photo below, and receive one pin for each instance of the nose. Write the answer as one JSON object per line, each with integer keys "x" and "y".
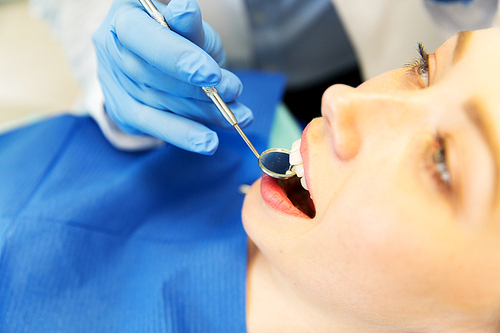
{"x": 338, "y": 110}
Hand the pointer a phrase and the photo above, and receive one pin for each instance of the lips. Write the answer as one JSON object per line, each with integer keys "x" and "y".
{"x": 287, "y": 197}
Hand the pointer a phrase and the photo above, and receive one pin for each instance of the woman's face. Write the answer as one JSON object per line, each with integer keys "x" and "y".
{"x": 403, "y": 172}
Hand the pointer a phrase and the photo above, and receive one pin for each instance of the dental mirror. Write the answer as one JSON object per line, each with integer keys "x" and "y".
{"x": 275, "y": 163}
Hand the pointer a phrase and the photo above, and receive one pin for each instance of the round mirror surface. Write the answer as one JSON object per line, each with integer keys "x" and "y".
{"x": 275, "y": 163}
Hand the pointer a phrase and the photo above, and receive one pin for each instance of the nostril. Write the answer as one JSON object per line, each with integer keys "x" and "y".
{"x": 346, "y": 137}
{"x": 340, "y": 115}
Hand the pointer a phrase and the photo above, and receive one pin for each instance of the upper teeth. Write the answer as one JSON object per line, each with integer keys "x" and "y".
{"x": 296, "y": 161}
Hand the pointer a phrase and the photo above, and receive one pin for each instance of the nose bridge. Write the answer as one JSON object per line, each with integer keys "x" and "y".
{"x": 336, "y": 108}
{"x": 352, "y": 113}
{"x": 343, "y": 104}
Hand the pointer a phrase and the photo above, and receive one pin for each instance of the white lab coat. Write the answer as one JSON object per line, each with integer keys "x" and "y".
{"x": 385, "y": 33}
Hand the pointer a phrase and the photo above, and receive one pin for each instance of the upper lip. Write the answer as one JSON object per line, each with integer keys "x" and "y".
{"x": 304, "y": 147}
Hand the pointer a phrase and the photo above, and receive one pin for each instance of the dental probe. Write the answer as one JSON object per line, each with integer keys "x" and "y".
{"x": 273, "y": 162}
{"x": 210, "y": 91}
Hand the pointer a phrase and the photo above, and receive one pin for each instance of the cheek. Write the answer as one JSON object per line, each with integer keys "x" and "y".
{"x": 373, "y": 240}
{"x": 359, "y": 258}
{"x": 396, "y": 239}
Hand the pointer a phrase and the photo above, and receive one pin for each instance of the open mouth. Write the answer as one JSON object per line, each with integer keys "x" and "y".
{"x": 299, "y": 197}
{"x": 289, "y": 196}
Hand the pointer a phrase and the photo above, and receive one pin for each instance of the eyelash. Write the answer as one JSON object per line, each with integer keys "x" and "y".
{"x": 440, "y": 165}
{"x": 420, "y": 66}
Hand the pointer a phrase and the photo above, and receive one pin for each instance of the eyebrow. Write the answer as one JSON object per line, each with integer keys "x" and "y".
{"x": 477, "y": 115}
{"x": 463, "y": 38}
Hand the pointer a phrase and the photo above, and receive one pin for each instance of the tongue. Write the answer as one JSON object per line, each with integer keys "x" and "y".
{"x": 299, "y": 197}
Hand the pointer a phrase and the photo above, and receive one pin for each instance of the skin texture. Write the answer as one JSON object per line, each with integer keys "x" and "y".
{"x": 393, "y": 247}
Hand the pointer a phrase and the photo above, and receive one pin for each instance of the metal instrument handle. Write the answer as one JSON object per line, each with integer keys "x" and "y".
{"x": 211, "y": 92}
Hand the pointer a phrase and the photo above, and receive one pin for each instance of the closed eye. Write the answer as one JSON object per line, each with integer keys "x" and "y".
{"x": 441, "y": 170}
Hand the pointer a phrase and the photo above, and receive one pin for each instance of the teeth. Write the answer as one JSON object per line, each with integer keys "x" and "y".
{"x": 295, "y": 158}
{"x": 299, "y": 170}
{"x": 296, "y": 161}
{"x": 303, "y": 183}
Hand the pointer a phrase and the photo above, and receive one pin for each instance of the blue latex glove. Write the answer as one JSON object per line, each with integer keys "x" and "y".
{"x": 151, "y": 76}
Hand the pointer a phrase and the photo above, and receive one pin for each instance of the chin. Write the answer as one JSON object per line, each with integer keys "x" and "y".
{"x": 269, "y": 224}
{"x": 252, "y": 208}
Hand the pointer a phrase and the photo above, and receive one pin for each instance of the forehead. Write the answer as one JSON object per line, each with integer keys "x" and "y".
{"x": 475, "y": 55}
{"x": 477, "y": 60}
{"x": 473, "y": 66}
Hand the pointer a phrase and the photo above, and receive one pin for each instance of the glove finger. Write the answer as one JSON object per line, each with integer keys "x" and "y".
{"x": 184, "y": 17}
{"x": 230, "y": 86}
{"x": 198, "y": 110}
{"x": 136, "y": 118}
{"x": 213, "y": 45}
{"x": 163, "y": 48}
{"x": 179, "y": 131}
{"x": 201, "y": 110}
{"x": 140, "y": 72}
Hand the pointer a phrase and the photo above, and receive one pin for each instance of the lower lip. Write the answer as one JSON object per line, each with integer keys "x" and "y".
{"x": 274, "y": 196}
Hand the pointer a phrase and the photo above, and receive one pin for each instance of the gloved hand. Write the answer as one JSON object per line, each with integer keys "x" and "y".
{"x": 151, "y": 76}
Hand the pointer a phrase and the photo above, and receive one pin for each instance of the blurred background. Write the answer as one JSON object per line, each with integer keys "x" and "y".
{"x": 35, "y": 79}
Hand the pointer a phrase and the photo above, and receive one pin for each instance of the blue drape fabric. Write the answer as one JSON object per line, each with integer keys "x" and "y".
{"x": 93, "y": 239}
